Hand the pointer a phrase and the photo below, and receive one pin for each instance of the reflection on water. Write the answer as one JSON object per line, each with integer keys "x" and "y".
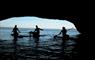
{"x": 49, "y": 49}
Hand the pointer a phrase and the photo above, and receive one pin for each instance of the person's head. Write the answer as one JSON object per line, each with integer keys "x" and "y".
{"x": 63, "y": 27}
{"x": 36, "y": 26}
{"x": 15, "y": 26}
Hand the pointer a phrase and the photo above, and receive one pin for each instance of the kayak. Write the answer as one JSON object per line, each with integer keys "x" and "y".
{"x": 21, "y": 36}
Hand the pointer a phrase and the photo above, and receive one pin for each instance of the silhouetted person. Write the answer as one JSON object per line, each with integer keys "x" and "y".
{"x": 64, "y": 35}
{"x": 63, "y": 31}
{"x": 64, "y": 38}
{"x": 15, "y": 35}
{"x": 15, "y": 32}
{"x": 36, "y": 33}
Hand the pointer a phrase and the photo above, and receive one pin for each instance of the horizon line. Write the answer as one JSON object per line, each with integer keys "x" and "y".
{"x": 34, "y": 28}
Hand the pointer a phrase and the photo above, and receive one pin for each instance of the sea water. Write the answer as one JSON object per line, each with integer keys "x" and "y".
{"x": 47, "y": 46}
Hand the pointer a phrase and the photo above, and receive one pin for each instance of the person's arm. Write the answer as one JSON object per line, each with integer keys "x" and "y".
{"x": 18, "y": 30}
{"x": 13, "y": 30}
{"x": 35, "y": 30}
{"x": 40, "y": 29}
{"x": 59, "y": 33}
